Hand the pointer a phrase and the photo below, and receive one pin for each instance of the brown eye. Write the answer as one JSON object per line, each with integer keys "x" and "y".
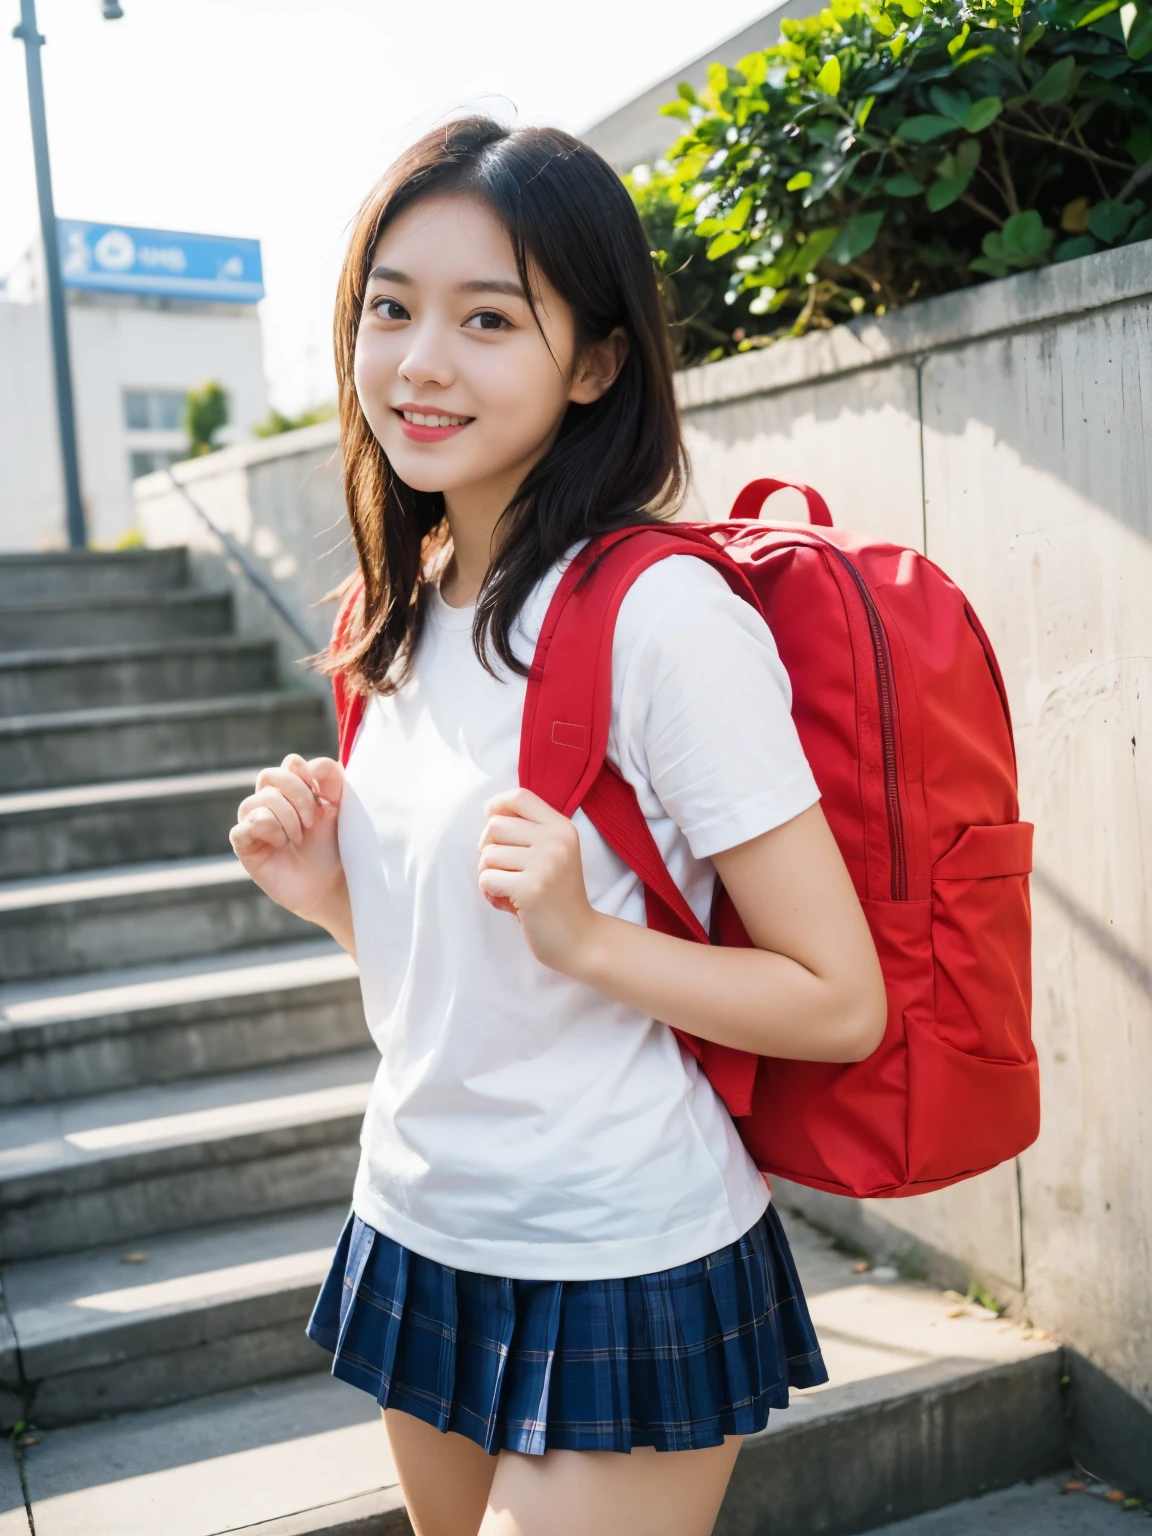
{"x": 487, "y": 320}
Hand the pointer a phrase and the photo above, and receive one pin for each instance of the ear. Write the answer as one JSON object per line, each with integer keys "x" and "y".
{"x": 598, "y": 367}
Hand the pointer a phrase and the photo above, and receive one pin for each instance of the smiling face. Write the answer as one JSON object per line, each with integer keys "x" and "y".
{"x": 454, "y": 377}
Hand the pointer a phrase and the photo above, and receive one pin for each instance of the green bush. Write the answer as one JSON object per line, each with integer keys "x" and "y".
{"x": 889, "y": 151}
{"x": 205, "y": 412}
{"x": 275, "y": 422}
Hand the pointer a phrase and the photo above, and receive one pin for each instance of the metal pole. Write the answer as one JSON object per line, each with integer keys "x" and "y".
{"x": 29, "y": 35}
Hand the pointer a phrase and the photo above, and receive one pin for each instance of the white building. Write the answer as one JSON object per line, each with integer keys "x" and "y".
{"x": 151, "y": 315}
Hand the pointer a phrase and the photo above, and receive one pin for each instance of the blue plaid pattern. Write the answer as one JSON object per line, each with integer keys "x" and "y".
{"x": 676, "y": 1359}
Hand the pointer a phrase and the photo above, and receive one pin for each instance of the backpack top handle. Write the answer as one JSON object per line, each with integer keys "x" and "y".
{"x": 750, "y": 503}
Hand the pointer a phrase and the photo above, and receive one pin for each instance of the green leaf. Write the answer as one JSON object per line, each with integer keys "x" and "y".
{"x": 857, "y": 237}
{"x": 967, "y": 155}
{"x": 954, "y": 105}
{"x": 813, "y": 250}
{"x": 1139, "y": 144}
{"x": 739, "y": 216}
{"x": 1097, "y": 13}
{"x": 1054, "y": 84}
{"x": 828, "y": 79}
{"x": 686, "y": 93}
{"x": 970, "y": 54}
{"x": 983, "y": 113}
{"x": 864, "y": 110}
{"x": 1142, "y": 229}
{"x": 717, "y": 78}
{"x": 1073, "y": 249}
{"x": 1024, "y": 238}
{"x": 754, "y": 67}
{"x": 798, "y": 182}
{"x": 886, "y": 26}
{"x": 945, "y": 190}
{"x": 1109, "y": 221}
{"x": 1136, "y": 19}
{"x": 897, "y": 45}
{"x": 923, "y": 129}
{"x": 676, "y": 109}
{"x": 957, "y": 44}
{"x": 903, "y": 186}
{"x": 989, "y": 266}
{"x": 723, "y": 243}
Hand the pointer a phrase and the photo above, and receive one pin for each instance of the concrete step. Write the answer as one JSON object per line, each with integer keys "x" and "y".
{"x": 136, "y": 914}
{"x": 69, "y": 1037}
{"x": 924, "y": 1409}
{"x": 1038, "y": 1508}
{"x": 107, "y": 619}
{"x": 86, "y": 677}
{"x": 107, "y": 1330}
{"x": 282, "y": 1459}
{"x": 87, "y": 746}
{"x": 78, "y": 574}
{"x": 122, "y": 1167}
{"x": 90, "y": 826}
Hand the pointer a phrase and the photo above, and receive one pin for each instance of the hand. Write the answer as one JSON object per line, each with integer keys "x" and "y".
{"x": 285, "y": 835}
{"x": 530, "y": 866}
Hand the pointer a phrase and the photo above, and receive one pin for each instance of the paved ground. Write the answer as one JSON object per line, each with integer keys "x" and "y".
{"x": 1039, "y": 1510}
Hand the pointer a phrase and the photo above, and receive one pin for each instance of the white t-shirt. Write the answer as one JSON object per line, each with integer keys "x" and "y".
{"x": 522, "y": 1123}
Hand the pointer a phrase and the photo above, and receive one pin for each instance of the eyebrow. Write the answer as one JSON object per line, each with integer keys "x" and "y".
{"x": 473, "y": 285}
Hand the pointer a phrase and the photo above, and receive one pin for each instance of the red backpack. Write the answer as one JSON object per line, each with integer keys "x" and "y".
{"x": 902, "y": 713}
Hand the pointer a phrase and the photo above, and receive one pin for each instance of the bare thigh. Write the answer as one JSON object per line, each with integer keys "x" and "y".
{"x": 445, "y": 1477}
{"x": 606, "y": 1493}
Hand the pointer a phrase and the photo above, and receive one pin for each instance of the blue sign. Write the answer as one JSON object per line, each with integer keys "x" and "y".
{"x": 117, "y": 258}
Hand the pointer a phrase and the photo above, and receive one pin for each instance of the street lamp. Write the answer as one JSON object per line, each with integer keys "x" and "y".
{"x": 29, "y": 34}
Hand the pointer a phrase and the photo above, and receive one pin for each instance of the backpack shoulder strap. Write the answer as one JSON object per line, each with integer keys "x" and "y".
{"x": 568, "y": 705}
{"x": 349, "y": 705}
{"x": 564, "y": 739}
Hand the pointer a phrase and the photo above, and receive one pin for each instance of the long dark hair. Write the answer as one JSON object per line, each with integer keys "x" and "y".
{"x": 616, "y": 462}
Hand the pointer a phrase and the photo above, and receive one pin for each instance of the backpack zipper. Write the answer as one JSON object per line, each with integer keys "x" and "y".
{"x": 885, "y": 687}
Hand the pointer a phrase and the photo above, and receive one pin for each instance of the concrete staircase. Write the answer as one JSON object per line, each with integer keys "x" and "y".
{"x": 183, "y": 1071}
{"x": 183, "y": 1065}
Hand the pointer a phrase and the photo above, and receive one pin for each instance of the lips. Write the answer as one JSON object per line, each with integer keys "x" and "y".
{"x": 428, "y": 426}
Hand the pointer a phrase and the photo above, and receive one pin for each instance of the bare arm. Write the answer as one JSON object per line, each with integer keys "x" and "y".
{"x": 810, "y": 990}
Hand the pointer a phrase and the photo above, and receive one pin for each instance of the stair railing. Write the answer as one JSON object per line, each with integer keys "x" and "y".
{"x": 249, "y": 567}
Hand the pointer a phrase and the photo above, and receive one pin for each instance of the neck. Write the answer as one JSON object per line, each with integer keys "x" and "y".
{"x": 473, "y": 512}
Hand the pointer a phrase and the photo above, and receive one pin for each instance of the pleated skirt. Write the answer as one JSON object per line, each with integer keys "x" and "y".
{"x": 676, "y": 1359}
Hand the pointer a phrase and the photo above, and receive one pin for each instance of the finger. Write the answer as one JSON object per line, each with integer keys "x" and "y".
{"x": 502, "y": 885}
{"x": 293, "y": 788}
{"x": 503, "y": 856}
{"x": 271, "y": 799}
{"x": 327, "y": 778}
{"x": 509, "y": 829}
{"x": 521, "y": 802}
{"x": 258, "y": 832}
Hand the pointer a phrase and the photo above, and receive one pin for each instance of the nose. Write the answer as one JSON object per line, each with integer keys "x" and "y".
{"x": 427, "y": 359}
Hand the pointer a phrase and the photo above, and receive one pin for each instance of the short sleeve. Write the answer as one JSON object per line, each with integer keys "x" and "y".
{"x": 701, "y": 721}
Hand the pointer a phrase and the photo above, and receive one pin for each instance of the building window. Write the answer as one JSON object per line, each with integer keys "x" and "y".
{"x": 154, "y": 410}
{"x": 144, "y": 462}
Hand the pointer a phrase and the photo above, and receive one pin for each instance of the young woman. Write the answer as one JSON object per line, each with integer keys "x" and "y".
{"x": 561, "y": 1276}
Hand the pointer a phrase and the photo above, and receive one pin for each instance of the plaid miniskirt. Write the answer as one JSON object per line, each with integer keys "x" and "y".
{"x": 676, "y": 1359}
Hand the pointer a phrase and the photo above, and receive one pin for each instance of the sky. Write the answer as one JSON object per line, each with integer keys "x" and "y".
{"x": 271, "y": 119}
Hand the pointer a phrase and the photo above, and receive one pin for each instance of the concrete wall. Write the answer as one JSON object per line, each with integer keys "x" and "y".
{"x": 1005, "y": 431}
{"x": 280, "y": 499}
{"x": 116, "y": 344}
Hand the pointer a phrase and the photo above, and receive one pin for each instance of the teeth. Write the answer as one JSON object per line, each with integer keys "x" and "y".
{"x": 426, "y": 419}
